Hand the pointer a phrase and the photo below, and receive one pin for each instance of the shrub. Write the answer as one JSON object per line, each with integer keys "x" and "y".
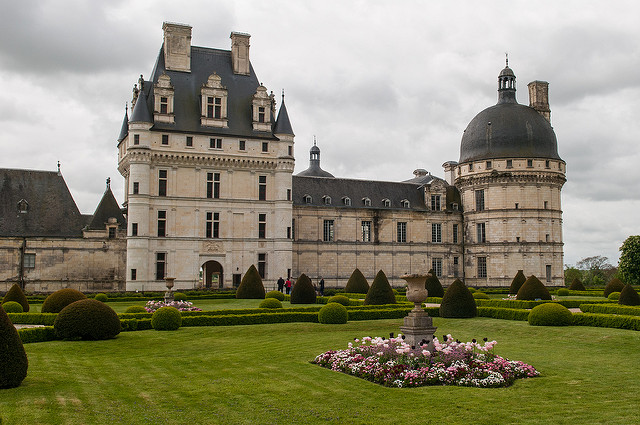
{"x": 303, "y": 291}
{"x": 629, "y": 296}
{"x": 55, "y": 302}
{"x": 458, "y": 302}
{"x": 380, "y": 291}
{"x": 136, "y": 309}
{"x": 13, "y": 358}
{"x": 614, "y": 285}
{"x": 563, "y": 292}
{"x": 251, "y": 285}
{"x": 166, "y": 319}
{"x": 433, "y": 285}
{"x": 275, "y": 294}
{"x": 471, "y": 289}
{"x": 517, "y": 282}
{"x": 87, "y": 319}
{"x": 550, "y": 314}
{"x": 340, "y": 299}
{"x": 270, "y": 303}
{"x": 101, "y": 297}
{"x": 480, "y": 295}
{"x": 179, "y": 296}
{"x": 576, "y": 285}
{"x": 15, "y": 294}
{"x": 12, "y": 307}
{"x": 614, "y": 296}
{"x": 333, "y": 313}
{"x": 533, "y": 289}
{"x": 357, "y": 283}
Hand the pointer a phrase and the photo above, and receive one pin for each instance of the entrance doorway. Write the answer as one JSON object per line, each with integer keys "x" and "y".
{"x": 212, "y": 274}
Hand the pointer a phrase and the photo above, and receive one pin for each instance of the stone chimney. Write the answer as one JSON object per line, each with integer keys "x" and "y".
{"x": 449, "y": 171}
{"x": 177, "y": 47}
{"x": 240, "y": 53}
{"x": 539, "y": 98}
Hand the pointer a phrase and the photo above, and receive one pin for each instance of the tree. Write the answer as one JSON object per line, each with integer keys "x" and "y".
{"x": 596, "y": 270}
{"x": 629, "y": 263}
{"x": 571, "y": 274}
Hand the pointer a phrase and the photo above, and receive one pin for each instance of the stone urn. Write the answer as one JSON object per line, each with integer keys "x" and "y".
{"x": 418, "y": 327}
{"x": 169, "y": 282}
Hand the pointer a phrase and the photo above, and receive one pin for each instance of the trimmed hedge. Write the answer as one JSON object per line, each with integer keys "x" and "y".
{"x": 251, "y": 286}
{"x": 614, "y": 285}
{"x": 614, "y": 296}
{"x": 629, "y": 296}
{"x": 380, "y": 291}
{"x": 15, "y": 294}
{"x": 458, "y": 302}
{"x": 610, "y": 308}
{"x": 607, "y": 321}
{"x": 533, "y": 289}
{"x": 503, "y": 313}
{"x": 270, "y": 303}
{"x": 480, "y": 295}
{"x": 12, "y": 307}
{"x": 333, "y": 313}
{"x": 517, "y": 282}
{"x": 433, "y": 286}
{"x": 550, "y": 314}
{"x": 101, "y": 297}
{"x": 179, "y": 296}
{"x": 39, "y": 334}
{"x": 562, "y": 292}
{"x": 55, "y": 302}
{"x": 136, "y": 309}
{"x": 45, "y": 319}
{"x": 13, "y": 358}
{"x": 87, "y": 319}
{"x": 275, "y": 294}
{"x": 357, "y": 283}
{"x": 531, "y": 304}
{"x": 303, "y": 291}
{"x": 340, "y": 299}
{"x": 166, "y": 319}
{"x": 576, "y": 285}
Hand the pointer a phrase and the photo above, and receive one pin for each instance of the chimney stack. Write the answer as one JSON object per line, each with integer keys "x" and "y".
{"x": 539, "y": 98}
{"x": 177, "y": 47}
{"x": 240, "y": 53}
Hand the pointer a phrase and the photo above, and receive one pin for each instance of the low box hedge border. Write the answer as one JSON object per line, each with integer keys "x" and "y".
{"x": 610, "y": 309}
{"x": 521, "y": 304}
{"x": 618, "y": 321}
{"x": 503, "y": 313}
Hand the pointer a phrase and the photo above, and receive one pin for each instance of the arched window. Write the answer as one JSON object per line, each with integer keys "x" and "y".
{"x": 346, "y": 201}
{"x": 386, "y": 202}
{"x": 308, "y": 199}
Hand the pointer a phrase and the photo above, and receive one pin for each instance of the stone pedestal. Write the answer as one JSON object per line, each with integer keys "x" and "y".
{"x": 418, "y": 327}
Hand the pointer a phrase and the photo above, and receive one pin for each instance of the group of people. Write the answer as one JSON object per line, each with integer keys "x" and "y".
{"x": 285, "y": 285}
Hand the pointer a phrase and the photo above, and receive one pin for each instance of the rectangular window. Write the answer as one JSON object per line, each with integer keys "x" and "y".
{"x": 164, "y": 105}
{"x": 209, "y": 106}
{"x": 548, "y": 270}
{"x": 161, "y": 264}
{"x": 366, "y": 231}
{"x": 134, "y": 274}
{"x": 213, "y": 185}
{"x": 165, "y": 139}
{"x": 489, "y": 165}
{"x": 262, "y": 265}
{"x": 261, "y": 114}
{"x": 509, "y": 163}
{"x": 436, "y": 266}
{"x": 402, "y": 231}
{"x": 455, "y": 266}
{"x": 546, "y": 205}
{"x": 136, "y": 139}
{"x": 480, "y": 200}
{"x": 262, "y": 188}
{"x": 481, "y": 233}
{"x": 265, "y": 146}
{"x": 455, "y": 233}
{"x": 189, "y": 141}
{"x": 136, "y": 188}
{"x": 212, "y": 228}
{"x": 547, "y": 164}
{"x": 134, "y": 229}
{"x": 288, "y": 232}
{"x": 112, "y": 232}
{"x": 162, "y": 182}
{"x": 162, "y": 223}
{"x": 290, "y": 150}
{"x": 288, "y": 194}
{"x": 327, "y": 234}
{"x": 482, "y": 266}
{"x": 29, "y": 261}
{"x": 471, "y": 167}
{"x": 262, "y": 226}
{"x": 530, "y": 163}
{"x": 546, "y": 237}
{"x": 242, "y": 145}
{"x": 217, "y": 113}
{"x": 293, "y": 228}
{"x": 435, "y": 202}
{"x": 436, "y": 232}
{"x": 215, "y": 143}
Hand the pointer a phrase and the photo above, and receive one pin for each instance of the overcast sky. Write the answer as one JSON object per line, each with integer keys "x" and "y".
{"x": 386, "y": 87}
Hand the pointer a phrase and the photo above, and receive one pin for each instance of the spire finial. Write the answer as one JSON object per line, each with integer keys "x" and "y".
{"x": 108, "y": 182}
{"x": 283, "y": 95}
{"x": 506, "y": 59}
{"x": 59, "y": 168}
{"x": 314, "y": 140}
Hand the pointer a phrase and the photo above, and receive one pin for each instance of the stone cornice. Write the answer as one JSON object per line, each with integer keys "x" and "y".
{"x": 511, "y": 178}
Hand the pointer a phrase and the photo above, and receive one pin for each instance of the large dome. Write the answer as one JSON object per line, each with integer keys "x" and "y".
{"x": 508, "y": 129}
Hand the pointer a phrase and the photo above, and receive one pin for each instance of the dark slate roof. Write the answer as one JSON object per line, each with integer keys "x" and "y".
{"x": 314, "y": 170}
{"x": 356, "y": 190}
{"x": 424, "y": 179}
{"x": 187, "y": 86}
{"x": 51, "y": 208}
{"x": 124, "y": 130}
{"x": 107, "y": 208}
{"x": 283, "y": 125}
{"x": 141, "y": 109}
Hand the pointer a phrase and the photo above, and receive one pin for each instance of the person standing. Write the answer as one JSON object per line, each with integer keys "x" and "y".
{"x": 287, "y": 285}
{"x": 321, "y": 286}
{"x": 280, "y": 284}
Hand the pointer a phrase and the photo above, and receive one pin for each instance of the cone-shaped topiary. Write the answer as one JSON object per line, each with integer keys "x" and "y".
{"x": 533, "y": 289}
{"x": 13, "y": 358}
{"x": 87, "y": 319}
{"x": 614, "y": 285}
{"x": 629, "y": 296}
{"x": 458, "y": 302}
{"x": 55, "y": 302}
{"x": 357, "y": 283}
{"x": 550, "y": 314}
{"x": 517, "y": 282}
{"x": 333, "y": 313}
{"x": 380, "y": 291}
{"x": 303, "y": 291}
{"x": 251, "y": 286}
{"x": 576, "y": 285}
{"x": 433, "y": 285}
{"x": 15, "y": 294}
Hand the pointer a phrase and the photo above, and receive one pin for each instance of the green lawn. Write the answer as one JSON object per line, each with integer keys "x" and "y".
{"x": 261, "y": 374}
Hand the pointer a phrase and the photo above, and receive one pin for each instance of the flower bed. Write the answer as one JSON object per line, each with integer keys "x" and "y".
{"x": 392, "y": 363}
{"x": 152, "y": 306}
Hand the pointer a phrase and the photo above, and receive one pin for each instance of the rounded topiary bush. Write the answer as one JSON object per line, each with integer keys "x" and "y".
{"x": 275, "y": 294}
{"x": 303, "y": 291}
{"x": 614, "y": 285}
{"x": 533, "y": 289}
{"x": 15, "y": 294}
{"x": 550, "y": 314}
{"x": 380, "y": 291}
{"x": 136, "y": 309}
{"x": 629, "y": 296}
{"x": 101, "y": 297}
{"x": 357, "y": 283}
{"x": 614, "y": 296}
{"x": 433, "y": 285}
{"x": 13, "y": 358}
{"x": 563, "y": 292}
{"x": 458, "y": 302}
{"x": 517, "y": 282}
{"x": 472, "y": 289}
{"x": 12, "y": 307}
{"x": 270, "y": 303}
{"x": 333, "y": 313}
{"x": 87, "y": 319}
{"x": 340, "y": 299}
{"x": 251, "y": 286}
{"x": 576, "y": 285}
{"x": 480, "y": 295}
{"x": 166, "y": 319}
{"x": 179, "y": 296}
{"x": 55, "y": 302}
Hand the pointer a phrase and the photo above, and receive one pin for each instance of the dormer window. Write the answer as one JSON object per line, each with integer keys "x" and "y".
{"x": 261, "y": 114}
{"x": 308, "y": 199}
{"x": 164, "y": 105}
{"x": 346, "y": 201}
{"x": 386, "y": 202}
{"x": 326, "y": 199}
{"x": 404, "y": 203}
{"x": 163, "y": 100}
{"x": 23, "y": 206}
{"x": 262, "y": 109}
{"x": 214, "y": 103}
{"x": 454, "y": 206}
{"x": 366, "y": 202}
